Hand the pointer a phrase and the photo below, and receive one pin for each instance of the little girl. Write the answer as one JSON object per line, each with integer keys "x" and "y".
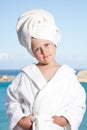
{"x": 45, "y": 95}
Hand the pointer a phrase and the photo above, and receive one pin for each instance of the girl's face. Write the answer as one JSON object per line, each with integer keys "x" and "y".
{"x": 43, "y": 50}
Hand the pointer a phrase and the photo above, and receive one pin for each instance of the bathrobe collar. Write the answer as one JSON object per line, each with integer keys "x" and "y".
{"x": 33, "y": 72}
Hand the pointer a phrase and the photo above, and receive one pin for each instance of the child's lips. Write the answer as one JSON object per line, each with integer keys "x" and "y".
{"x": 46, "y": 56}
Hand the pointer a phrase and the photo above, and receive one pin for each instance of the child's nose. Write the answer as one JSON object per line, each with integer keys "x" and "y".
{"x": 43, "y": 50}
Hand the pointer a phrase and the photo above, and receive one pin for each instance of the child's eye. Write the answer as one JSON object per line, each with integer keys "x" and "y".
{"x": 37, "y": 49}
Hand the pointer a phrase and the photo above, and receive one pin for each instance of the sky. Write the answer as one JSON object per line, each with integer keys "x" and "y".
{"x": 70, "y": 17}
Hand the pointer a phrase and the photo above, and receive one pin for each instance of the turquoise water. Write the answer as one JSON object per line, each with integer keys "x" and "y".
{"x": 84, "y": 122}
{"x": 3, "y": 117}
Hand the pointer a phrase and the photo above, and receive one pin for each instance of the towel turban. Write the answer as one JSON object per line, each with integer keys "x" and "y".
{"x": 37, "y": 23}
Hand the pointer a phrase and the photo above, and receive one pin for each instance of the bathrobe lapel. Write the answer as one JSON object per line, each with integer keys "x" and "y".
{"x": 35, "y": 75}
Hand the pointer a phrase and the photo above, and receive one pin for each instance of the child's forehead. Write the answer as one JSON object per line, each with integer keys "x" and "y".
{"x": 37, "y": 42}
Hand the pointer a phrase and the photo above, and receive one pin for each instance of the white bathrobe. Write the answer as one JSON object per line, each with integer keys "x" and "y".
{"x": 62, "y": 95}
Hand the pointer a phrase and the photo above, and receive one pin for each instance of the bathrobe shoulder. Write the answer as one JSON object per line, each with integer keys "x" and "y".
{"x": 30, "y": 90}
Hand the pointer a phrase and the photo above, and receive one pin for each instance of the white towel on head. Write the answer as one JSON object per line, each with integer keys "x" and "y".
{"x": 39, "y": 24}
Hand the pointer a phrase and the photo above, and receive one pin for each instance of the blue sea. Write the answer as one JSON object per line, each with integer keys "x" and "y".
{"x": 4, "y": 124}
{"x": 9, "y": 72}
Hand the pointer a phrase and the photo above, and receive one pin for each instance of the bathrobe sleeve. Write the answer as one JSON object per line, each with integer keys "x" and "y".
{"x": 13, "y": 106}
{"x": 16, "y": 109}
{"x": 76, "y": 108}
